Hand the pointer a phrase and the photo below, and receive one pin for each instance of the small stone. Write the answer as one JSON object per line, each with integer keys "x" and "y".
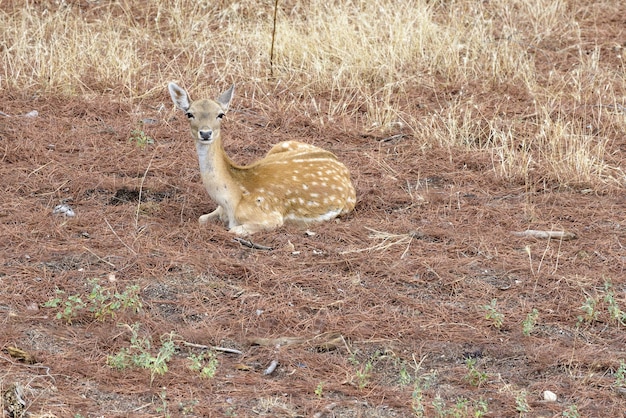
{"x": 64, "y": 210}
{"x": 549, "y": 396}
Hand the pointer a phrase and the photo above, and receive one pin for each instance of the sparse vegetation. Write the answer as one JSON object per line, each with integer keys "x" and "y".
{"x": 101, "y": 302}
{"x": 462, "y": 408}
{"x": 319, "y": 389}
{"x": 363, "y": 371}
{"x": 141, "y": 354}
{"x": 594, "y": 306}
{"x": 163, "y": 408}
{"x": 71, "y": 304}
{"x": 571, "y": 412}
{"x": 528, "y": 324}
{"x": 496, "y": 317}
{"x": 521, "y": 403}
{"x": 474, "y": 376}
{"x": 417, "y": 401}
{"x": 140, "y": 138}
{"x": 205, "y": 364}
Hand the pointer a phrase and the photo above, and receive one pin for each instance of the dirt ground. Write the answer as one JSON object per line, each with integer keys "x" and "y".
{"x": 373, "y": 315}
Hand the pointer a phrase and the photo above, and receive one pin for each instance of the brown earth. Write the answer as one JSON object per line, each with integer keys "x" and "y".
{"x": 391, "y": 296}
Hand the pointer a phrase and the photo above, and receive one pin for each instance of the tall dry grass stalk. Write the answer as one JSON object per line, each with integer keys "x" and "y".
{"x": 362, "y": 60}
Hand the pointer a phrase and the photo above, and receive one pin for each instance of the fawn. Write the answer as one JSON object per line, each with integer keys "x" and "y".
{"x": 294, "y": 182}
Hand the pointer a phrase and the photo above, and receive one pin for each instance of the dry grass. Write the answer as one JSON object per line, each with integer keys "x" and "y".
{"x": 357, "y": 60}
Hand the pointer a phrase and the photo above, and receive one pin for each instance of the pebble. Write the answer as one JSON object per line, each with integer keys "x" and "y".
{"x": 549, "y": 396}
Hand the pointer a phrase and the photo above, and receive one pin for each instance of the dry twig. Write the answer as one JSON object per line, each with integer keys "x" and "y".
{"x": 533, "y": 233}
{"x": 250, "y": 244}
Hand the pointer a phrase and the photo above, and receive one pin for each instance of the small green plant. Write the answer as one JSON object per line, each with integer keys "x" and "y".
{"x": 140, "y": 138}
{"x": 163, "y": 409}
{"x": 363, "y": 371}
{"x": 493, "y": 315}
{"x": 106, "y": 303}
{"x": 481, "y": 408}
{"x": 421, "y": 384}
{"x": 102, "y": 302}
{"x": 474, "y": 377}
{"x": 319, "y": 389}
{"x": 139, "y": 354}
{"x": 592, "y": 307}
{"x": 363, "y": 374}
{"x": 186, "y": 407}
{"x": 615, "y": 313}
{"x": 72, "y": 305}
{"x": 589, "y": 308}
{"x": 460, "y": 408}
{"x": 205, "y": 364}
{"x": 463, "y": 407}
{"x": 528, "y": 324}
{"x": 521, "y": 404}
{"x": 571, "y": 412}
{"x": 405, "y": 377}
{"x": 440, "y": 406}
{"x": 417, "y": 400}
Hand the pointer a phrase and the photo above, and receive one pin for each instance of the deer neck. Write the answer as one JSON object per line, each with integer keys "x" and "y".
{"x": 216, "y": 171}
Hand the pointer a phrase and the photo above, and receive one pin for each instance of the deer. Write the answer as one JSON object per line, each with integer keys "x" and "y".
{"x": 295, "y": 181}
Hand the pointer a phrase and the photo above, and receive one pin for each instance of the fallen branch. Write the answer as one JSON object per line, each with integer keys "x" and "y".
{"x": 270, "y": 369}
{"x": 208, "y": 347}
{"x": 251, "y": 244}
{"x": 533, "y": 233}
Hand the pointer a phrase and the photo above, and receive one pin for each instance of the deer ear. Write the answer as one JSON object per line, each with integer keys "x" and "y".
{"x": 226, "y": 97}
{"x": 179, "y": 96}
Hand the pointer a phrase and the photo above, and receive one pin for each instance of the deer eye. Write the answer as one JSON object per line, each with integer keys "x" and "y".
{"x": 220, "y": 115}
{"x": 189, "y": 115}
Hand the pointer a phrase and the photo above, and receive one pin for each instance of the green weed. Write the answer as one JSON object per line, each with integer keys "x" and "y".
{"x": 592, "y": 307}
{"x": 140, "y": 138}
{"x": 72, "y": 305}
{"x": 474, "y": 377}
{"x": 101, "y": 302}
{"x": 493, "y": 314}
{"x": 462, "y": 408}
{"x": 521, "y": 403}
{"x": 571, "y": 412}
{"x": 417, "y": 400}
{"x": 140, "y": 354}
{"x": 319, "y": 389}
{"x": 205, "y": 364}
{"x": 163, "y": 408}
{"x": 528, "y": 324}
{"x": 363, "y": 371}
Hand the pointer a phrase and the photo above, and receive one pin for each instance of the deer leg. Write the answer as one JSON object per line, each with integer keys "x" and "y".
{"x": 270, "y": 221}
{"x": 217, "y": 213}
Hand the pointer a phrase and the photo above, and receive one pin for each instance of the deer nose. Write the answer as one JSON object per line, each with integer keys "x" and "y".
{"x": 205, "y": 135}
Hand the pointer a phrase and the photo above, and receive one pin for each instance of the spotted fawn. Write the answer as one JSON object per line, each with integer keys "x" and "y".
{"x": 294, "y": 182}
